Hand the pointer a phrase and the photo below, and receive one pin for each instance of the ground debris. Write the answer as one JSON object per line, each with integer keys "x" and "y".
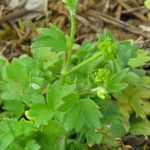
{"x": 118, "y": 16}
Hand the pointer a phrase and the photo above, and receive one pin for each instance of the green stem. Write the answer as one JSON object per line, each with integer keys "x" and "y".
{"x": 71, "y": 43}
{"x": 72, "y": 38}
{"x": 85, "y": 62}
{"x": 63, "y": 70}
{"x": 73, "y": 31}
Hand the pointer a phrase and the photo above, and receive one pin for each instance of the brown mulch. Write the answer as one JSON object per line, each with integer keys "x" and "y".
{"x": 126, "y": 20}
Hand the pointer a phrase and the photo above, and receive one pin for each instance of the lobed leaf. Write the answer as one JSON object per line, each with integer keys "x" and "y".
{"x": 10, "y": 109}
{"x": 113, "y": 119}
{"x": 56, "y": 93}
{"x": 126, "y": 51}
{"x": 83, "y": 115}
{"x": 140, "y": 60}
{"x": 40, "y": 114}
{"x": 93, "y": 138}
{"x": 51, "y": 37}
{"x": 16, "y": 78}
{"x": 140, "y": 127}
{"x": 10, "y": 129}
{"x": 32, "y": 145}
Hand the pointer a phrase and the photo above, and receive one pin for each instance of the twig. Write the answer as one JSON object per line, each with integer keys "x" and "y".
{"x": 143, "y": 44}
{"x": 1, "y": 10}
{"x": 133, "y": 10}
{"x": 107, "y": 3}
{"x": 118, "y": 12}
{"x": 80, "y": 38}
{"x": 17, "y": 30}
{"x": 118, "y": 23}
{"x": 14, "y": 15}
{"x": 127, "y": 7}
{"x": 5, "y": 47}
{"x": 85, "y": 22}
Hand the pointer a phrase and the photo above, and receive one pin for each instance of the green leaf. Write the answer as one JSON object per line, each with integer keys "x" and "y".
{"x": 135, "y": 99}
{"x": 45, "y": 56}
{"x": 40, "y": 114}
{"x": 5, "y": 140}
{"x": 32, "y": 145}
{"x": 10, "y": 91}
{"x": 56, "y": 93}
{"x": 137, "y": 105}
{"x": 126, "y": 51}
{"x": 51, "y": 37}
{"x": 28, "y": 62}
{"x": 3, "y": 62}
{"x": 93, "y": 138}
{"x": 51, "y": 136}
{"x": 119, "y": 76}
{"x": 16, "y": 79}
{"x": 113, "y": 118}
{"x": 133, "y": 78}
{"x": 11, "y": 129}
{"x": 83, "y": 115}
{"x": 10, "y": 109}
{"x": 16, "y": 127}
{"x": 71, "y": 145}
{"x": 140, "y": 60}
{"x": 37, "y": 83}
{"x": 85, "y": 49}
{"x": 16, "y": 72}
{"x": 72, "y": 4}
{"x": 32, "y": 98}
{"x": 147, "y": 4}
{"x": 118, "y": 87}
{"x": 140, "y": 127}
{"x": 113, "y": 83}
{"x": 69, "y": 101}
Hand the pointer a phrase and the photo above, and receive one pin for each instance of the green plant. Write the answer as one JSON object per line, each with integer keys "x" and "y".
{"x": 147, "y": 4}
{"x": 71, "y": 98}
